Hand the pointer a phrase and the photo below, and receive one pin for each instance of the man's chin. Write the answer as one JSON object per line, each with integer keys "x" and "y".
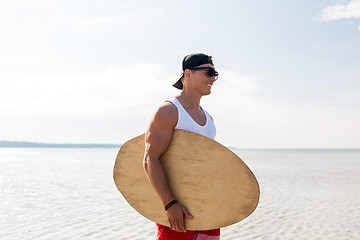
{"x": 207, "y": 93}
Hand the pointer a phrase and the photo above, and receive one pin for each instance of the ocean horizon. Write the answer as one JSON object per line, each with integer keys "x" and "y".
{"x": 27, "y": 144}
{"x": 24, "y": 144}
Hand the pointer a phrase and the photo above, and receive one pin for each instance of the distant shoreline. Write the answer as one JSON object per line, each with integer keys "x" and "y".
{"x": 15, "y": 144}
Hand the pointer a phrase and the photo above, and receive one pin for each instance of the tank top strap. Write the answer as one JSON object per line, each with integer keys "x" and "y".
{"x": 186, "y": 122}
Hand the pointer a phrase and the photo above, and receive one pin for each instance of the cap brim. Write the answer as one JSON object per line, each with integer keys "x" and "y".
{"x": 178, "y": 84}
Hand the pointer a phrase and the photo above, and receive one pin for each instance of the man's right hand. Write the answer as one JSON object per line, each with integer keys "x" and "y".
{"x": 175, "y": 216}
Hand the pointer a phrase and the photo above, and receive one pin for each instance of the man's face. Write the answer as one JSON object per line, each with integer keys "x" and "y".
{"x": 201, "y": 79}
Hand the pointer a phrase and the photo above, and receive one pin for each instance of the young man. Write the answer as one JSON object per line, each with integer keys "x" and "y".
{"x": 181, "y": 112}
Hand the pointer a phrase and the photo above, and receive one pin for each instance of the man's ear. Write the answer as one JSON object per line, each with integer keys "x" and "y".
{"x": 187, "y": 73}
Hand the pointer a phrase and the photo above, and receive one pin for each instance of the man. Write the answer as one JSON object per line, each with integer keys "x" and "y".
{"x": 182, "y": 112}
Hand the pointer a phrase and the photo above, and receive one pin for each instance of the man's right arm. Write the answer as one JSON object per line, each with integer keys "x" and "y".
{"x": 157, "y": 139}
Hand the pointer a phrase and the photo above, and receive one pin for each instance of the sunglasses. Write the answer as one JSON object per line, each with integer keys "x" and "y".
{"x": 210, "y": 71}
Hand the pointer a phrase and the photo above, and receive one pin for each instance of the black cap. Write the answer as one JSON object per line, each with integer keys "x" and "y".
{"x": 191, "y": 61}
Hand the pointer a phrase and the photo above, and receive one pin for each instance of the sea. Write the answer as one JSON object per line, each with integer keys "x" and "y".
{"x": 69, "y": 193}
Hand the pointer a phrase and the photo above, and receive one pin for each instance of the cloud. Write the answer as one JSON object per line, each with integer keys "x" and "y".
{"x": 122, "y": 88}
{"x": 341, "y": 11}
{"x": 111, "y": 106}
{"x": 126, "y": 18}
{"x": 117, "y": 104}
{"x": 100, "y": 20}
{"x": 245, "y": 119}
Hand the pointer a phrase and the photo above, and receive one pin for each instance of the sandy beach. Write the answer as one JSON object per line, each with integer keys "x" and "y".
{"x": 49, "y": 193}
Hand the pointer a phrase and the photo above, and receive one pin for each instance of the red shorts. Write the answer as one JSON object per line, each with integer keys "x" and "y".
{"x": 165, "y": 233}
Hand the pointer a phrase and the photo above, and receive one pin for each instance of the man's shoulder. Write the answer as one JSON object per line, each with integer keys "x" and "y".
{"x": 166, "y": 114}
{"x": 169, "y": 107}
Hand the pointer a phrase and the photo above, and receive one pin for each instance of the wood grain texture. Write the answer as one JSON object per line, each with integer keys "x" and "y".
{"x": 210, "y": 180}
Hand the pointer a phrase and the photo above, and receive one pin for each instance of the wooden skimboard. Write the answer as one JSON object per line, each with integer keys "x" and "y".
{"x": 210, "y": 180}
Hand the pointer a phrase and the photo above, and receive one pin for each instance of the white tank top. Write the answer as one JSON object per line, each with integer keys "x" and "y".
{"x": 186, "y": 122}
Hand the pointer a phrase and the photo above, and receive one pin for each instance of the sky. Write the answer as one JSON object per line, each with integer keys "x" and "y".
{"x": 95, "y": 71}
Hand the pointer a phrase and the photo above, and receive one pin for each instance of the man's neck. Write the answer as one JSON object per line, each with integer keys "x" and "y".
{"x": 189, "y": 100}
